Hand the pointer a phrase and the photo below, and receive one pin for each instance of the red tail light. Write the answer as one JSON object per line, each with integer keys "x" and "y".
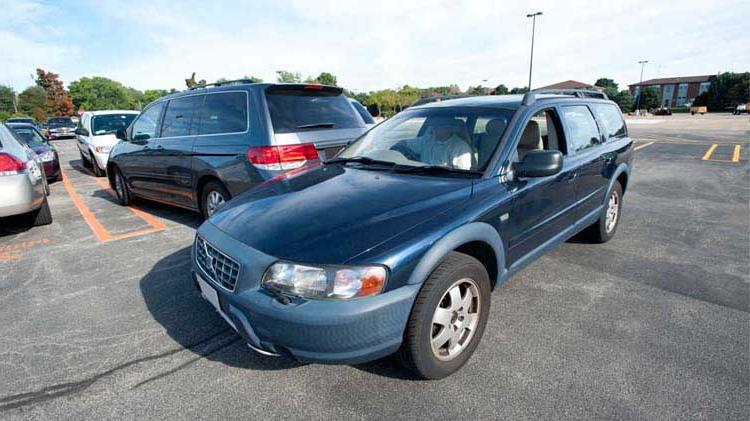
{"x": 283, "y": 157}
{"x": 10, "y": 165}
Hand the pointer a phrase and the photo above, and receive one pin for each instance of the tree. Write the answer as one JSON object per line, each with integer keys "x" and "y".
{"x": 58, "y": 101}
{"x": 649, "y": 98}
{"x": 324, "y": 78}
{"x": 608, "y": 85}
{"x": 284, "y": 76}
{"x": 7, "y": 99}
{"x": 32, "y": 101}
{"x": 100, "y": 93}
{"x": 500, "y": 90}
{"x": 253, "y": 79}
{"x": 726, "y": 91}
{"x": 515, "y": 91}
{"x": 151, "y": 95}
{"x": 624, "y": 100}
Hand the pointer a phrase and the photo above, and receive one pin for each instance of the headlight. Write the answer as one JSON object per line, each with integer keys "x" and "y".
{"x": 47, "y": 156}
{"x": 102, "y": 149}
{"x": 325, "y": 281}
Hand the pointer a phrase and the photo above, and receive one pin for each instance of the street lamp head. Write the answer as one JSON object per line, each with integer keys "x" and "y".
{"x": 530, "y": 15}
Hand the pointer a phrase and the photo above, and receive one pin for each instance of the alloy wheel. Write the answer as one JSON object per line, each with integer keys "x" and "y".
{"x": 213, "y": 201}
{"x": 613, "y": 208}
{"x": 455, "y": 319}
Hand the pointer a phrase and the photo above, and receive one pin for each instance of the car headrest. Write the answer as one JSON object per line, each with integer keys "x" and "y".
{"x": 496, "y": 127}
{"x": 531, "y": 136}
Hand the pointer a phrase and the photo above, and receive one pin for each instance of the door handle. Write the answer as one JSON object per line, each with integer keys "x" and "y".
{"x": 160, "y": 148}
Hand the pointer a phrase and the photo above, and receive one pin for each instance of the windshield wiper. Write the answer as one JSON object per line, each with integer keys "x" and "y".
{"x": 317, "y": 126}
{"x": 360, "y": 159}
{"x": 433, "y": 169}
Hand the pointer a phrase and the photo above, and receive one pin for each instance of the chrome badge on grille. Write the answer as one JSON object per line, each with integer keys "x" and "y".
{"x": 209, "y": 259}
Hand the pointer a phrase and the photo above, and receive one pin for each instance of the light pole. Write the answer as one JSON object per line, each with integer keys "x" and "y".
{"x": 533, "y": 29}
{"x": 640, "y": 89}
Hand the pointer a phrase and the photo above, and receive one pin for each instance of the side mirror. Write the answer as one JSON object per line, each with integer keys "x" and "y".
{"x": 81, "y": 132}
{"x": 539, "y": 164}
{"x": 121, "y": 134}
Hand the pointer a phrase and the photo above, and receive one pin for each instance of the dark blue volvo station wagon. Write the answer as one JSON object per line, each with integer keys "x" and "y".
{"x": 395, "y": 244}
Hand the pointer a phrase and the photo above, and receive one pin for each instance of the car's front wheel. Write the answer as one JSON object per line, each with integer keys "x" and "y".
{"x": 121, "y": 188}
{"x": 98, "y": 172}
{"x": 448, "y": 318}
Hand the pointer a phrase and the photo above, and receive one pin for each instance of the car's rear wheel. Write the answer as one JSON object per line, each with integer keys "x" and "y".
{"x": 604, "y": 229}
{"x": 121, "y": 188}
{"x": 43, "y": 215}
{"x": 98, "y": 172}
{"x": 448, "y": 318}
{"x": 213, "y": 195}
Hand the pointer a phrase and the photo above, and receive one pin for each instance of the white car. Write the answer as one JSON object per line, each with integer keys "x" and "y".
{"x": 96, "y": 136}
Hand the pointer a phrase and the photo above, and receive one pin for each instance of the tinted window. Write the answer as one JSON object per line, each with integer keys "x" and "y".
{"x": 363, "y": 112}
{"x": 110, "y": 123}
{"x": 582, "y": 130}
{"x": 298, "y": 110}
{"x": 179, "y": 116}
{"x": 61, "y": 121}
{"x": 29, "y": 136}
{"x": 145, "y": 126}
{"x": 609, "y": 116}
{"x": 222, "y": 113}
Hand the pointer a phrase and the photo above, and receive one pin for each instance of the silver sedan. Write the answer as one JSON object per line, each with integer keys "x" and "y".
{"x": 23, "y": 186}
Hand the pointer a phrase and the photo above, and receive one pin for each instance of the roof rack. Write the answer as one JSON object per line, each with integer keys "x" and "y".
{"x": 222, "y": 83}
{"x": 579, "y": 93}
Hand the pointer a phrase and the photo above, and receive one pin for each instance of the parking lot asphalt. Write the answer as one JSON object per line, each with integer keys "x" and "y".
{"x": 100, "y": 318}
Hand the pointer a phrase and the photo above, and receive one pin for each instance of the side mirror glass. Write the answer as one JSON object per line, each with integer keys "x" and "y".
{"x": 141, "y": 137}
{"x": 539, "y": 164}
{"x": 121, "y": 134}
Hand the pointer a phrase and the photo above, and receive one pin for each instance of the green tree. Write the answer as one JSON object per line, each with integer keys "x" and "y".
{"x": 649, "y": 98}
{"x": 500, "y": 90}
{"x": 32, "y": 101}
{"x": 515, "y": 91}
{"x": 253, "y": 79}
{"x": 608, "y": 85}
{"x": 151, "y": 95}
{"x": 100, "y": 93}
{"x": 283, "y": 76}
{"x": 726, "y": 91}
{"x": 624, "y": 100}
{"x": 7, "y": 99}
{"x": 324, "y": 78}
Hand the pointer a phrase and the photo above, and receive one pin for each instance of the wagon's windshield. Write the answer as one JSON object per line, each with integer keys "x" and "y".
{"x": 457, "y": 138}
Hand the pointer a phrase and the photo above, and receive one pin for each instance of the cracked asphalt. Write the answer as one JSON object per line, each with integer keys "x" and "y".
{"x": 652, "y": 325}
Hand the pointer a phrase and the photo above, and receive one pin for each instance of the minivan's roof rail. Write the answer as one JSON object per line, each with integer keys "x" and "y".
{"x": 222, "y": 83}
{"x": 580, "y": 93}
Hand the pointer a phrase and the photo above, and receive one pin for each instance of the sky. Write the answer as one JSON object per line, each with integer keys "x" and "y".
{"x": 370, "y": 45}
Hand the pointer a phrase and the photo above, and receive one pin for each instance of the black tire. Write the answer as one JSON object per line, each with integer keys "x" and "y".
{"x": 416, "y": 353}
{"x": 98, "y": 172}
{"x": 84, "y": 161}
{"x": 42, "y": 216}
{"x": 212, "y": 186}
{"x": 598, "y": 232}
{"x": 120, "y": 186}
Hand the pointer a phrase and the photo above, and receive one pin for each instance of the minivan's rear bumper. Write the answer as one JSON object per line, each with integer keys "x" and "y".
{"x": 325, "y": 331}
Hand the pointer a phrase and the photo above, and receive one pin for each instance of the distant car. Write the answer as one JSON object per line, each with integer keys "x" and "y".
{"x": 741, "y": 109}
{"x": 21, "y": 120}
{"x": 698, "y": 109}
{"x": 366, "y": 116}
{"x": 199, "y": 148}
{"x": 47, "y": 153}
{"x": 23, "y": 189}
{"x": 60, "y": 127}
{"x": 662, "y": 111}
{"x": 96, "y": 136}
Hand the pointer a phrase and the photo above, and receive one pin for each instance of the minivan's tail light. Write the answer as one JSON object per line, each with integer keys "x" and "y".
{"x": 282, "y": 157}
{"x": 10, "y": 165}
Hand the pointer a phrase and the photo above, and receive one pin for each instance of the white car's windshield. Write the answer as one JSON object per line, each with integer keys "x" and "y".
{"x": 460, "y": 138}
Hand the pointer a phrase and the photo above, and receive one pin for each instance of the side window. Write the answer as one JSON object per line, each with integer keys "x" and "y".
{"x": 583, "y": 131}
{"x": 609, "y": 116}
{"x": 542, "y": 132}
{"x": 145, "y": 126}
{"x": 179, "y": 115}
{"x": 223, "y": 113}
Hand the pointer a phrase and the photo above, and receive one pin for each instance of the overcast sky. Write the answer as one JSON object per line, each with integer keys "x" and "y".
{"x": 372, "y": 44}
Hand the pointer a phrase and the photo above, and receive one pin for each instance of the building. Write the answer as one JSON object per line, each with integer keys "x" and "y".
{"x": 570, "y": 84}
{"x": 675, "y": 91}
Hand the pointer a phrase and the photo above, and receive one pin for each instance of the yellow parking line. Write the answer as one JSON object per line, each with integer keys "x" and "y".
{"x": 643, "y": 146}
{"x": 736, "y": 154}
{"x": 710, "y": 152}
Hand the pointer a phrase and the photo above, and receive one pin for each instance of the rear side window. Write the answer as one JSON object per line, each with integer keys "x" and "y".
{"x": 145, "y": 126}
{"x": 179, "y": 116}
{"x": 609, "y": 116}
{"x": 296, "y": 110}
{"x": 224, "y": 112}
{"x": 582, "y": 128}
{"x": 363, "y": 112}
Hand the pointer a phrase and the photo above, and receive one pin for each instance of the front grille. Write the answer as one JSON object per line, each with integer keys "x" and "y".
{"x": 221, "y": 269}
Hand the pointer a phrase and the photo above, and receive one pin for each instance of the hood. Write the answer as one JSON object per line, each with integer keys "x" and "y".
{"x": 332, "y": 213}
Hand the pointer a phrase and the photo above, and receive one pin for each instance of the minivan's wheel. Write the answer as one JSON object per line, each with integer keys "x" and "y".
{"x": 42, "y": 216}
{"x": 604, "y": 229}
{"x": 213, "y": 195}
{"x": 448, "y": 318}
{"x": 84, "y": 161}
{"x": 98, "y": 172}
{"x": 121, "y": 188}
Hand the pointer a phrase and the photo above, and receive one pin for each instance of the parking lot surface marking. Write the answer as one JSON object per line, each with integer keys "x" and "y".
{"x": 156, "y": 224}
{"x": 643, "y": 146}
{"x": 736, "y": 154}
{"x": 14, "y": 251}
{"x": 710, "y": 151}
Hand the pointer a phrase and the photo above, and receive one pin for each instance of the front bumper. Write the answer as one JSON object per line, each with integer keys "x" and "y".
{"x": 325, "y": 331}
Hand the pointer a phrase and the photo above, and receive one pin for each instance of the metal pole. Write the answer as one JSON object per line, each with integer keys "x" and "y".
{"x": 533, "y": 30}
{"x": 640, "y": 89}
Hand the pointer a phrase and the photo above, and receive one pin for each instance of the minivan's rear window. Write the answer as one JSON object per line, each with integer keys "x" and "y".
{"x": 297, "y": 110}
